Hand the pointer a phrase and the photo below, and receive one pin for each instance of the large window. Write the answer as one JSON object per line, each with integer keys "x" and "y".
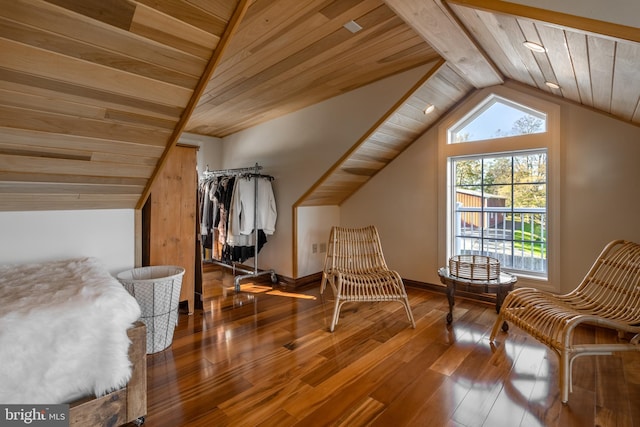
{"x": 499, "y": 153}
{"x": 500, "y": 209}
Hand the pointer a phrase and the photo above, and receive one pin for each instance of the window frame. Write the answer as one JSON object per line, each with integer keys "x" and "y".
{"x": 482, "y": 108}
{"x": 549, "y": 140}
{"x": 482, "y": 237}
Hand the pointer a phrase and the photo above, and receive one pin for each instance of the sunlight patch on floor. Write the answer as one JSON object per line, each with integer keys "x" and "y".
{"x": 291, "y": 294}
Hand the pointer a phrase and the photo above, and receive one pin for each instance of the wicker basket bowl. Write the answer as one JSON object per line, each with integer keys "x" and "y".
{"x": 474, "y": 267}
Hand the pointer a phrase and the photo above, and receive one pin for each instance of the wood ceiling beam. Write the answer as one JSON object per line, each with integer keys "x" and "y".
{"x": 563, "y": 20}
{"x": 439, "y": 27}
{"x": 216, "y": 57}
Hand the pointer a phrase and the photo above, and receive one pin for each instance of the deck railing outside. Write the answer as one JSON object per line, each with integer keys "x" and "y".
{"x": 515, "y": 236}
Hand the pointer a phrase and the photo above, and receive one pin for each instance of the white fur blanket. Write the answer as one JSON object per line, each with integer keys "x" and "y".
{"x": 62, "y": 331}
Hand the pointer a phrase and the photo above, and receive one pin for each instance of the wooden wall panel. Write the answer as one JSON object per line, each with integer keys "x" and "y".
{"x": 172, "y": 216}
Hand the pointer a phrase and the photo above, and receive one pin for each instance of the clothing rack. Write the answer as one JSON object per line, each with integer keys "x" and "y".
{"x": 253, "y": 172}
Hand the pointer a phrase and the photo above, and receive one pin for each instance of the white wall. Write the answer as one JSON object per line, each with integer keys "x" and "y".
{"x": 37, "y": 236}
{"x": 210, "y": 151}
{"x": 314, "y": 225}
{"x": 299, "y": 147}
{"x": 600, "y": 196}
{"x": 600, "y": 200}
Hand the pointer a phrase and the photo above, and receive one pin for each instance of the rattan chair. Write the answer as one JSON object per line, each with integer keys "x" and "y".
{"x": 608, "y": 296}
{"x": 356, "y": 270}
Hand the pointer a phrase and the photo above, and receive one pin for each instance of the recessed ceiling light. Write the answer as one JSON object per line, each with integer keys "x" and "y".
{"x": 536, "y": 47}
{"x": 429, "y": 108}
{"x": 352, "y": 26}
{"x": 552, "y": 85}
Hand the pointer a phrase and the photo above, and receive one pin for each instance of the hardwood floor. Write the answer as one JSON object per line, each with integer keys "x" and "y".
{"x": 252, "y": 359}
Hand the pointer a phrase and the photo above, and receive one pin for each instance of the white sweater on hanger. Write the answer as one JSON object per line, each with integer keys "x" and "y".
{"x": 244, "y": 202}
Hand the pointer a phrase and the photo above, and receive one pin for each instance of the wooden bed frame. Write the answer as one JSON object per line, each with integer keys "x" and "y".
{"x": 129, "y": 404}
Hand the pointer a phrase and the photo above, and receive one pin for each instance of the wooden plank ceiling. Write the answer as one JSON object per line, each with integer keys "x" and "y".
{"x": 595, "y": 70}
{"x": 93, "y": 94}
{"x": 289, "y": 54}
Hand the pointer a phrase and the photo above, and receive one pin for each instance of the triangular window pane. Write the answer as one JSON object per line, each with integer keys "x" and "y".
{"x": 497, "y": 117}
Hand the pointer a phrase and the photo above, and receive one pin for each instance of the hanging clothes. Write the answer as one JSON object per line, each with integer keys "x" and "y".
{"x": 208, "y": 206}
{"x": 236, "y": 219}
{"x": 247, "y": 207}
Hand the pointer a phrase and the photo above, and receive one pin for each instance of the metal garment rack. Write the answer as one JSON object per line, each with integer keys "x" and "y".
{"x": 253, "y": 172}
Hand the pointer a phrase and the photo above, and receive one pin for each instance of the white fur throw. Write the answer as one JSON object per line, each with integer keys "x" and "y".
{"x": 62, "y": 331}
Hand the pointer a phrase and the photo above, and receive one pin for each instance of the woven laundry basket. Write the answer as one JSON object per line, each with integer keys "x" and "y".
{"x": 157, "y": 290}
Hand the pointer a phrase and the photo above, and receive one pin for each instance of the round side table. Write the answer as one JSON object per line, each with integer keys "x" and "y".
{"x": 500, "y": 286}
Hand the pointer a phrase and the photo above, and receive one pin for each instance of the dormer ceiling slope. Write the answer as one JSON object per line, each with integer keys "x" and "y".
{"x": 94, "y": 94}
{"x": 441, "y": 88}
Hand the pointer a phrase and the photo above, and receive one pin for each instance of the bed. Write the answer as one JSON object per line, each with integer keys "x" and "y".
{"x": 69, "y": 333}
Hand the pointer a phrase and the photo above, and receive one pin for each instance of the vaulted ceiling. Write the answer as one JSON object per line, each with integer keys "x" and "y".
{"x": 291, "y": 54}
{"x": 94, "y": 93}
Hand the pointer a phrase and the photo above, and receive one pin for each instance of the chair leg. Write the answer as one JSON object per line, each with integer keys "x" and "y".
{"x": 327, "y": 279}
{"x": 336, "y": 314}
{"x": 496, "y": 326}
{"x": 407, "y": 308}
{"x": 565, "y": 376}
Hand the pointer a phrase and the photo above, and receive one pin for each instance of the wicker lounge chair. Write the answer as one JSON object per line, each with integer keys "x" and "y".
{"x": 356, "y": 270}
{"x": 609, "y": 296}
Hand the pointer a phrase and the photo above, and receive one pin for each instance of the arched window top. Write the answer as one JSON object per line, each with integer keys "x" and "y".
{"x": 497, "y": 117}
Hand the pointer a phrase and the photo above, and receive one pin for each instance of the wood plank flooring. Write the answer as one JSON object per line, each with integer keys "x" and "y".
{"x": 252, "y": 359}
